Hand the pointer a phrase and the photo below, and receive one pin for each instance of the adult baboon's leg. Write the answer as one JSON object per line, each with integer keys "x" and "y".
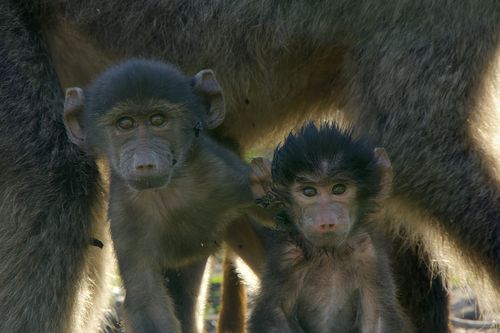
{"x": 233, "y": 301}
{"x": 49, "y": 196}
{"x": 424, "y": 296}
{"x": 244, "y": 240}
{"x": 416, "y": 91}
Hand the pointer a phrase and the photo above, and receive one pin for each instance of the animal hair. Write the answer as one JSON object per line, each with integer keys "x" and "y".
{"x": 311, "y": 146}
{"x": 418, "y": 77}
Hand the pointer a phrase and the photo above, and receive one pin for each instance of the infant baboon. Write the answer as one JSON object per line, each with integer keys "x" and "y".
{"x": 173, "y": 189}
{"x": 327, "y": 269}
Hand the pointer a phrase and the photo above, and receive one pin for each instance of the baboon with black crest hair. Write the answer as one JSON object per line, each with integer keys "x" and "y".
{"x": 416, "y": 76}
{"x": 327, "y": 267}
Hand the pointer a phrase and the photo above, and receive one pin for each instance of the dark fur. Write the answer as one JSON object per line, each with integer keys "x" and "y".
{"x": 163, "y": 233}
{"x": 413, "y": 74}
{"x": 307, "y": 288}
{"x": 303, "y": 152}
{"x": 50, "y": 197}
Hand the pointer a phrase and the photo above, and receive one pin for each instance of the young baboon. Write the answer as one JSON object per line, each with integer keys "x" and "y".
{"x": 412, "y": 74}
{"x": 173, "y": 190}
{"x": 327, "y": 267}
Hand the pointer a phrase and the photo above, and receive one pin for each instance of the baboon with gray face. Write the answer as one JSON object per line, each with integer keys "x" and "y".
{"x": 173, "y": 189}
{"x": 412, "y": 75}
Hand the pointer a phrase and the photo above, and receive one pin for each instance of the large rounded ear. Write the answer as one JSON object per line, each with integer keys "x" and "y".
{"x": 385, "y": 171}
{"x": 205, "y": 85}
{"x": 73, "y": 107}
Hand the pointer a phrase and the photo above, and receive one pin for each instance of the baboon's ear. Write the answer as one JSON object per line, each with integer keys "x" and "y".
{"x": 73, "y": 107}
{"x": 205, "y": 85}
{"x": 385, "y": 170}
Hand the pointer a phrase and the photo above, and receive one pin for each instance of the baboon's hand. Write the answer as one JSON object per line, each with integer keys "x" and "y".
{"x": 260, "y": 177}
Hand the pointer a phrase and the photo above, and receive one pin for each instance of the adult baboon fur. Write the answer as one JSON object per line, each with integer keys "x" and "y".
{"x": 412, "y": 74}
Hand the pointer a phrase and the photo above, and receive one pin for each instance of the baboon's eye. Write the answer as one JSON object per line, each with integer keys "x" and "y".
{"x": 309, "y": 191}
{"x": 125, "y": 123}
{"x": 338, "y": 189}
{"x": 157, "y": 120}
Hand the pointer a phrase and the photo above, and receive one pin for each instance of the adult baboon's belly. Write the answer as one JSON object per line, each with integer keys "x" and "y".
{"x": 293, "y": 82}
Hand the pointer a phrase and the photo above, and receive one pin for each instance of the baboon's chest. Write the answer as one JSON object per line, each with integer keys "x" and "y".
{"x": 195, "y": 233}
{"x": 330, "y": 295}
{"x": 192, "y": 226}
